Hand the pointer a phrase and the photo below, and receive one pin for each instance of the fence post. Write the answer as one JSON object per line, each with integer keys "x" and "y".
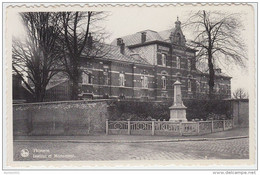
{"x": 153, "y": 127}
{"x": 198, "y": 128}
{"x": 106, "y": 126}
{"x": 180, "y": 128}
{"x": 128, "y": 127}
{"x": 212, "y": 126}
{"x": 224, "y": 127}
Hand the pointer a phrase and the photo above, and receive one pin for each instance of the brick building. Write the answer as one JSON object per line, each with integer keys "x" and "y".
{"x": 143, "y": 65}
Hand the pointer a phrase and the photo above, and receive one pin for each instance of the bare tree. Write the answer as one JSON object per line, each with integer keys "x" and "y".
{"x": 217, "y": 39}
{"x": 81, "y": 37}
{"x": 240, "y": 94}
{"x": 36, "y": 59}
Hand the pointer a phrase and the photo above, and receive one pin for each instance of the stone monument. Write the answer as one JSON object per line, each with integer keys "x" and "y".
{"x": 177, "y": 110}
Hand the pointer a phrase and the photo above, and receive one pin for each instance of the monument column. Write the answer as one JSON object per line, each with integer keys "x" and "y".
{"x": 177, "y": 110}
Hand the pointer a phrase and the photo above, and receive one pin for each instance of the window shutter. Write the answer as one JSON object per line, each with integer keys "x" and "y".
{"x": 159, "y": 59}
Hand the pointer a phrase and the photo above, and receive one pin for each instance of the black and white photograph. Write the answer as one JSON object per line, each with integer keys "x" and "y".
{"x": 130, "y": 84}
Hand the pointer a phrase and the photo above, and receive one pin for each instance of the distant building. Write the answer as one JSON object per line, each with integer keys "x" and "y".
{"x": 143, "y": 65}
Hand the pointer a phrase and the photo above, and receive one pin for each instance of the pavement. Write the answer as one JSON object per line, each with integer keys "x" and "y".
{"x": 232, "y": 144}
{"x": 235, "y": 133}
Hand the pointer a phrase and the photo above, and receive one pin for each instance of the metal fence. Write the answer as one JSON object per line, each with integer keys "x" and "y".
{"x": 166, "y": 127}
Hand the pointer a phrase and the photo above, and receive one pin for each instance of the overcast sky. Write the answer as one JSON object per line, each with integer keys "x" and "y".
{"x": 120, "y": 23}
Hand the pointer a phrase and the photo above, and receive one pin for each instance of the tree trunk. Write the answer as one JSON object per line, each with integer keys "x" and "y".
{"x": 74, "y": 89}
{"x": 39, "y": 94}
{"x": 74, "y": 81}
{"x": 211, "y": 76}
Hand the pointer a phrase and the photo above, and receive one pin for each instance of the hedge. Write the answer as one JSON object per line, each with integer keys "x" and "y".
{"x": 144, "y": 110}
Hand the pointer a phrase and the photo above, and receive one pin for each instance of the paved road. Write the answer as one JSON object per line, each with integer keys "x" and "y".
{"x": 222, "y": 149}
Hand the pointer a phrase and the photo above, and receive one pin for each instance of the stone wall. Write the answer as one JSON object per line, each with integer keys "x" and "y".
{"x": 240, "y": 112}
{"x": 60, "y": 118}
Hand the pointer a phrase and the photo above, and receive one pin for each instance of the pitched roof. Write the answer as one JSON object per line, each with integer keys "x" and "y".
{"x": 203, "y": 69}
{"x": 165, "y": 35}
{"x": 111, "y": 52}
{"x": 136, "y": 38}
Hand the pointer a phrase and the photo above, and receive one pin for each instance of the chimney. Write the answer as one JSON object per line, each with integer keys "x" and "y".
{"x": 122, "y": 48}
{"x": 90, "y": 40}
{"x": 143, "y": 37}
{"x": 119, "y": 41}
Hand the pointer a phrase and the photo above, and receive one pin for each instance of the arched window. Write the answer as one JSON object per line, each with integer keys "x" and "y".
{"x": 164, "y": 82}
{"x": 178, "y": 62}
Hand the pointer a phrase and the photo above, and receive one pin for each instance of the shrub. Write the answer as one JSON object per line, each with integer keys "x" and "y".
{"x": 141, "y": 111}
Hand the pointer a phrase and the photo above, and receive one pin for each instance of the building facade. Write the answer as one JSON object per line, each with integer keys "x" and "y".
{"x": 143, "y": 65}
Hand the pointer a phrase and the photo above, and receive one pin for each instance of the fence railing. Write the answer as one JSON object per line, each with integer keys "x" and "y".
{"x": 166, "y": 127}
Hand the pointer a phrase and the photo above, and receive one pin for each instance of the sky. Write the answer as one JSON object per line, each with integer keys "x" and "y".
{"x": 121, "y": 22}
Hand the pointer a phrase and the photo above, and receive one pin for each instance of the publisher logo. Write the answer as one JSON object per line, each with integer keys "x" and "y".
{"x": 24, "y": 152}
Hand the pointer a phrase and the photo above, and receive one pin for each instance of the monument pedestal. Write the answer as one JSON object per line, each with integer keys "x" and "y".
{"x": 178, "y": 113}
{"x": 178, "y": 110}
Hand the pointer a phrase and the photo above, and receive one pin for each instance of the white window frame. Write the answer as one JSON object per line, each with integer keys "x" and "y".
{"x": 86, "y": 78}
{"x": 178, "y": 62}
{"x": 217, "y": 87}
{"x": 164, "y": 81}
{"x": 198, "y": 86}
{"x": 106, "y": 78}
{"x": 144, "y": 81}
{"x": 164, "y": 56}
{"x": 121, "y": 79}
{"x": 189, "y": 85}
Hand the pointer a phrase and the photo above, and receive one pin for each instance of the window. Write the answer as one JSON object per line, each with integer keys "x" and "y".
{"x": 164, "y": 59}
{"x": 178, "y": 62}
{"x": 179, "y": 38}
{"x": 198, "y": 86}
{"x": 189, "y": 65}
{"x": 217, "y": 87}
{"x": 164, "y": 82}
{"x": 189, "y": 85}
{"x": 106, "y": 78}
{"x": 121, "y": 79}
{"x": 144, "y": 81}
{"x": 86, "y": 78}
